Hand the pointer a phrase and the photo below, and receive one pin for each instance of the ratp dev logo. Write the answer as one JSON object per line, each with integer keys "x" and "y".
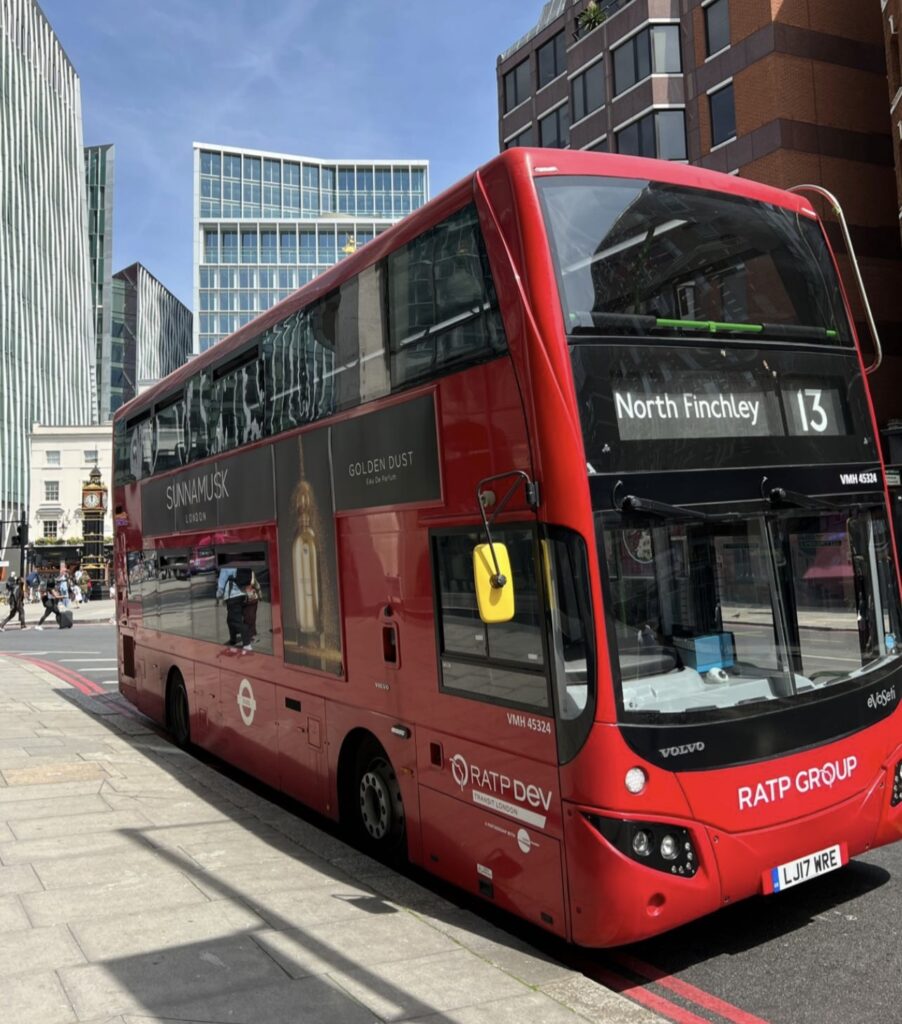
{"x": 501, "y": 792}
{"x": 460, "y": 770}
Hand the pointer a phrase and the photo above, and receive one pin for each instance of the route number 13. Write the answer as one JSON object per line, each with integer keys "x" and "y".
{"x": 811, "y": 412}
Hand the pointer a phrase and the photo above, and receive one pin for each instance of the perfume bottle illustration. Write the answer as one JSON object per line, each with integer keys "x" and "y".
{"x": 305, "y": 563}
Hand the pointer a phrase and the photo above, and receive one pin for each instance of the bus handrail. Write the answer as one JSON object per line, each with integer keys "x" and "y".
{"x": 819, "y": 190}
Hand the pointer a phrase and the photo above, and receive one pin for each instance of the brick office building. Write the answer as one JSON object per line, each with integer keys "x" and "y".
{"x": 782, "y": 91}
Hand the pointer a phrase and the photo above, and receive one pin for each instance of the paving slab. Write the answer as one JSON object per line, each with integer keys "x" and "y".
{"x": 170, "y": 976}
{"x": 35, "y": 999}
{"x": 310, "y": 1000}
{"x": 111, "y": 897}
{"x": 148, "y": 931}
{"x": 37, "y": 949}
{"x": 18, "y": 878}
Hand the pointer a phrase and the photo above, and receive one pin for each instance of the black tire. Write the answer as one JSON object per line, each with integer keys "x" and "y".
{"x": 379, "y": 808}
{"x": 178, "y": 714}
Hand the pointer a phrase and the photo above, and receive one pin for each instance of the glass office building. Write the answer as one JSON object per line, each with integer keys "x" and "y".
{"x": 267, "y": 223}
{"x": 99, "y": 166}
{"x": 151, "y": 333}
{"x": 47, "y": 357}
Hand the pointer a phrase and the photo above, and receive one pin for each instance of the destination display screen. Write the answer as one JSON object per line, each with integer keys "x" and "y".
{"x": 695, "y": 406}
{"x": 653, "y": 407}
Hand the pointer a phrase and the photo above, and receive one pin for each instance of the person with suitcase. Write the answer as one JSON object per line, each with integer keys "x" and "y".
{"x": 50, "y": 601}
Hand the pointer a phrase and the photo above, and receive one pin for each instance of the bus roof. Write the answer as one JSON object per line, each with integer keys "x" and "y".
{"x": 519, "y": 165}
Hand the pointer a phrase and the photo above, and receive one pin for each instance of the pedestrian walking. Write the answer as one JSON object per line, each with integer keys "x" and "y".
{"x": 50, "y": 599}
{"x": 16, "y": 603}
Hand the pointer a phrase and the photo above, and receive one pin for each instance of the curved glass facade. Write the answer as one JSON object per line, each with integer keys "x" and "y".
{"x": 267, "y": 223}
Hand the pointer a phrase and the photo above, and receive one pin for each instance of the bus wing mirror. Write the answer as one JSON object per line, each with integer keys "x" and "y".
{"x": 494, "y": 583}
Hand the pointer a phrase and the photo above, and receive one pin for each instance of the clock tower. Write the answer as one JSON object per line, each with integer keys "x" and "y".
{"x": 93, "y": 511}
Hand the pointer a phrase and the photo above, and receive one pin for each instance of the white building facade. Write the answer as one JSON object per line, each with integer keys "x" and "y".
{"x": 46, "y": 331}
{"x": 61, "y": 461}
{"x": 267, "y": 223}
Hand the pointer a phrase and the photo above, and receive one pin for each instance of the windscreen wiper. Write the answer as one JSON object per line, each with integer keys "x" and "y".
{"x": 780, "y": 497}
{"x": 632, "y": 503}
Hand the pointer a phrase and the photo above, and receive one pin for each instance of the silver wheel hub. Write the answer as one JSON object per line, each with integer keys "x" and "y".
{"x": 375, "y": 805}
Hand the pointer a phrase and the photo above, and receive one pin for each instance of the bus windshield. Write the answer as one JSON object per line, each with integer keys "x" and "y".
{"x": 728, "y": 614}
{"x": 644, "y": 257}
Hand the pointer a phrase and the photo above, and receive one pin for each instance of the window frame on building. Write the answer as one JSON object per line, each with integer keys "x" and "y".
{"x": 50, "y": 528}
{"x": 720, "y": 138}
{"x": 52, "y": 457}
{"x": 517, "y": 139}
{"x": 579, "y": 88}
{"x": 642, "y": 132}
{"x": 724, "y": 42}
{"x": 556, "y": 47}
{"x": 518, "y": 79}
{"x": 561, "y": 116}
{"x": 51, "y": 490}
{"x": 644, "y": 39}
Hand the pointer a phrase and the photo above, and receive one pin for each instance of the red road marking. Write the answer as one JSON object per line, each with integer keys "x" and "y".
{"x": 67, "y": 675}
{"x": 688, "y": 992}
{"x": 651, "y": 1001}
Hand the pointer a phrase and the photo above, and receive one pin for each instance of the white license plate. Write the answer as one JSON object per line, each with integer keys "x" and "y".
{"x": 810, "y": 866}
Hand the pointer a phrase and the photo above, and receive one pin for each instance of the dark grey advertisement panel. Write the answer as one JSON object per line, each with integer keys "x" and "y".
{"x": 229, "y": 491}
{"x": 389, "y": 457}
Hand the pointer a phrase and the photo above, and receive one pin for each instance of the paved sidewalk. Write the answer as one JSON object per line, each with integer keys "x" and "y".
{"x": 138, "y": 885}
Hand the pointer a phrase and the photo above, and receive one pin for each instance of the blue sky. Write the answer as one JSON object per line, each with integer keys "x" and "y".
{"x": 315, "y": 77}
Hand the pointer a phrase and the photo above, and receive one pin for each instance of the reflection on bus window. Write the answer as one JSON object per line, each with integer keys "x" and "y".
{"x": 724, "y": 614}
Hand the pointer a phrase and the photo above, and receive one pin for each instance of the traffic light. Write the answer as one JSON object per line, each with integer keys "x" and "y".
{"x": 20, "y": 536}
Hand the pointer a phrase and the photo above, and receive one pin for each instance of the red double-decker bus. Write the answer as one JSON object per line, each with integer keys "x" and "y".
{"x": 543, "y": 540}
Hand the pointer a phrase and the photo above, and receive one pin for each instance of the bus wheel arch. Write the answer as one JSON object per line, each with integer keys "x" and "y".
{"x": 369, "y": 793}
{"x": 178, "y": 712}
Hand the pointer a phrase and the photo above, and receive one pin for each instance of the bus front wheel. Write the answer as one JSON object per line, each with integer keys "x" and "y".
{"x": 380, "y": 809}
{"x": 178, "y": 715}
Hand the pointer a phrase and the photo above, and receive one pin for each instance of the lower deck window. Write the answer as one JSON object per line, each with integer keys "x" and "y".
{"x": 504, "y": 662}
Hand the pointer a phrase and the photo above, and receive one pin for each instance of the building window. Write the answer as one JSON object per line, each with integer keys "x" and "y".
{"x": 553, "y": 129}
{"x": 50, "y": 529}
{"x": 717, "y": 26}
{"x": 723, "y": 115}
{"x": 588, "y": 91}
{"x": 525, "y": 138}
{"x": 552, "y": 59}
{"x": 53, "y": 458}
{"x": 516, "y": 86}
{"x": 655, "y": 50}
{"x": 51, "y": 490}
{"x": 91, "y": 456}
{"x": 599, "y": 146}
{"x": 661, "y": 134}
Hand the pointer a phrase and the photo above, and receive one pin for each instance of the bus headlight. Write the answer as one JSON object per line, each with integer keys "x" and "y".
{"x": 670, "y": 848}
{"x": 651, "y": 843}
{"x": 641, "y": 843}
{"x": 896, "y": 798}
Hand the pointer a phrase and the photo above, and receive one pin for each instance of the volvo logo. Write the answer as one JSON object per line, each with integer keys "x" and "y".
{"x": 686, "y": 748}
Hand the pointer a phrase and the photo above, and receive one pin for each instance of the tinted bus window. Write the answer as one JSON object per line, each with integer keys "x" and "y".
{"x": 503, "y": 662}
{"x": 443, "y": 310}
{"x": 638, "y": 256}
{"x": 238, "y": 398}
{"x": 169, "y": 449}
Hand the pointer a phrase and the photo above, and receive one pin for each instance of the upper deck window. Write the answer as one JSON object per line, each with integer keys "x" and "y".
{"x": 642, "y": 257}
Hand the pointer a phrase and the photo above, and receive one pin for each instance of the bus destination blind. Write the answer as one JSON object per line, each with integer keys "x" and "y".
{"x": 695, "y": 406}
